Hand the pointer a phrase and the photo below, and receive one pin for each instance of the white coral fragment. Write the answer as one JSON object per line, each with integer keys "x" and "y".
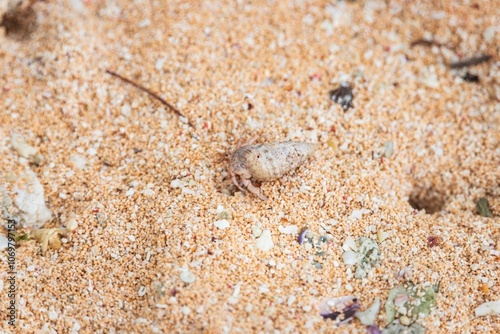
{"x": 31, "y": 202}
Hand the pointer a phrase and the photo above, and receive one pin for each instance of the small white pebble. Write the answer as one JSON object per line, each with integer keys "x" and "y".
{"x": 349, "y": 244}
{"x": 263, "y": 289}
{"x": 265, "y": 241}
{"x": 76, "y": 326}
{"x": 404, "y": 320}
{"x": 144, "y": 23}
{"x": 131, "y": 238}
{"x": 4, "y": 242}
{"x": 52, "y": 314}
{"x": 488, "y": 308}
{"x": 188, "y": 191}
{"x": 291, "y": 299}
{"x": 290, "y": 229}
{"x": 382, "y": 236}
{"x": 350, "y": 258}
{"x": 222, "y": 224}
{"x": 78, "y": 161}
{"x": 188, "y": 277}
{"x": 148, "y": 192}
{"x": 185, "y": 310}
{"x": 249, "y": 308}
{"x": 256, "y": 231}
{"x": 130, "y": 192}
{"x": 233, "y": 300}
{"x": 358, "y": 214}
{"x": 71, "y": 224}
{"x": 176, "y": 183}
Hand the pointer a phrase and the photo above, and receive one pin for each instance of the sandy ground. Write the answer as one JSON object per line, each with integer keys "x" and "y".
{"x": 156, "y": 208}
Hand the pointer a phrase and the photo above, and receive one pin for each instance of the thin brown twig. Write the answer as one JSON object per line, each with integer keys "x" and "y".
{"x": 154, "y": 95}
{"x": 424, "y": 42}
{"x": 470, "y": 61}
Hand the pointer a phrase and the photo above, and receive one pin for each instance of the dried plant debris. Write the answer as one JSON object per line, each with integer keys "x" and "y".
{"x": 343, "y": 95}
{"x": 150, "y": 93}
{"x": 341, "y": 309}
{"x": 25, "y": 150}
{"x": 50, "y": 237}
{"x": 410, "y": 303}
{"x": 469, "y": 77}
{"x": 470, "y": 61}
{"x": 20, "y": 237}
{"x": 483, "y": 207}
{"x": 397, "y": 328}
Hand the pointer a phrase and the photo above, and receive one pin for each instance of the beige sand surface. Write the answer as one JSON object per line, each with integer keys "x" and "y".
{"x": 147, "y": 189}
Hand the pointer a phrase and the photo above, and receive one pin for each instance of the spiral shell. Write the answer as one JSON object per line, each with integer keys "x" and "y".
{"x": 266, "y": 162}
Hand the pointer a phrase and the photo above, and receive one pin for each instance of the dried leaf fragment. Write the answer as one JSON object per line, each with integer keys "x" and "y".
{"x": 483, "y": 207}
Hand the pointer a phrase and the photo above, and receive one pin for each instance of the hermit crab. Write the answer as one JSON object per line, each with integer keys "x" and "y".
{"x": 266, "y": 162}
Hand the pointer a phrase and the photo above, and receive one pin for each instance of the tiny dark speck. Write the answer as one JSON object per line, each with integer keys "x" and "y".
{"x": 469, "y": 77}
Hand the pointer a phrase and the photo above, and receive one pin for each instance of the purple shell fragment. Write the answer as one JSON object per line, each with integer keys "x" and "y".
{"x": 302, "y": 236}
{"x": 341, "y": 309}
{"x": 372, "y": 329}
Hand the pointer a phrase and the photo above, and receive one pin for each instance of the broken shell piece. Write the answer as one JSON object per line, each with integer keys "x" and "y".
{"x": 302, "y": 235}
{"x": 368, "y": 316}
{"x": 341, "y": 309}
{"x": 50, "y": 237}
{"x": 488, "y": 308}
{"x": 373, "y": 329}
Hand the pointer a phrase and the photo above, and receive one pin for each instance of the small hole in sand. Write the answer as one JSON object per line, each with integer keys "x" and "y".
{"x": 19, "y": 23}
{"x": 428, "y": 199}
